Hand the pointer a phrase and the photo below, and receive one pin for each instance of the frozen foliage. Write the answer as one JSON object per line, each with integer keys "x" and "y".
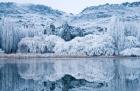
{"x": 69, "y": 32}
{"x": 21, "y": 21}
{"x": 8, "y": 35}
{"x": 125, "y": 34}
{"x": 50, "y": 30}
{"x": 11, "y": 33}
{"x": 132, "y": 29}
{"x": 91, "y": 45}
{"x": 131, "y": 52}
{"x": 116, "y": 30}
{"x": 44, "y": 44}
{"x": 131, "y": 41}
{"x": 35, "y": 29}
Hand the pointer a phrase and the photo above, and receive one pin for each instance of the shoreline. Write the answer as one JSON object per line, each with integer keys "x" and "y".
{"x": 51, "y": 56}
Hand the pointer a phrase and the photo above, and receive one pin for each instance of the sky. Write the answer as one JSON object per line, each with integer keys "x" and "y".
{"x": 69, "y": 6}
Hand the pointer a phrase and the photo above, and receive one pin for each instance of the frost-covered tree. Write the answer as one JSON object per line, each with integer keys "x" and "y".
{"x": 117, "y": 31}
{"x": 131, "y": 28}
{"x": 8, "y": 35}
{"x": 66, "y": 32}
{"x": 138, "y": 30}
{"x": 50, "y": 30}
{"x": 70, "y": 32}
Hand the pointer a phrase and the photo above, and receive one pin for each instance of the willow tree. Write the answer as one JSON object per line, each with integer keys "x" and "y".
{"x": 8, "y": 35}
{"x": 117, "y": 31}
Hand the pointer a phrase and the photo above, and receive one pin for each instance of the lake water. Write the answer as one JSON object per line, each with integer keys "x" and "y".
{"x": 89, "y": 74}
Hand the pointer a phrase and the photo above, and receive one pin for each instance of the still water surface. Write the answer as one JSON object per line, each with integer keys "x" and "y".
{"x": 89, "y": 74}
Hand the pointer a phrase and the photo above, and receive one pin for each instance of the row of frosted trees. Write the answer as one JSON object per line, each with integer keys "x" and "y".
{"x": 11, "y": 33}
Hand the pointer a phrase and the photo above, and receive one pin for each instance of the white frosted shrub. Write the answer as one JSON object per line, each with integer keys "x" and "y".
{"x": 44, "y": 44}
{"x": 131, "y": 52}
{"x": 90, "y": 45}
{"x": 131, "y": 41}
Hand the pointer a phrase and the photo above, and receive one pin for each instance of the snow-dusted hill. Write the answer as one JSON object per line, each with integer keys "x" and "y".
{"x": 32, "y": 14}
{"x": 88, "y": 17}
{"x": 94, "y": 16}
